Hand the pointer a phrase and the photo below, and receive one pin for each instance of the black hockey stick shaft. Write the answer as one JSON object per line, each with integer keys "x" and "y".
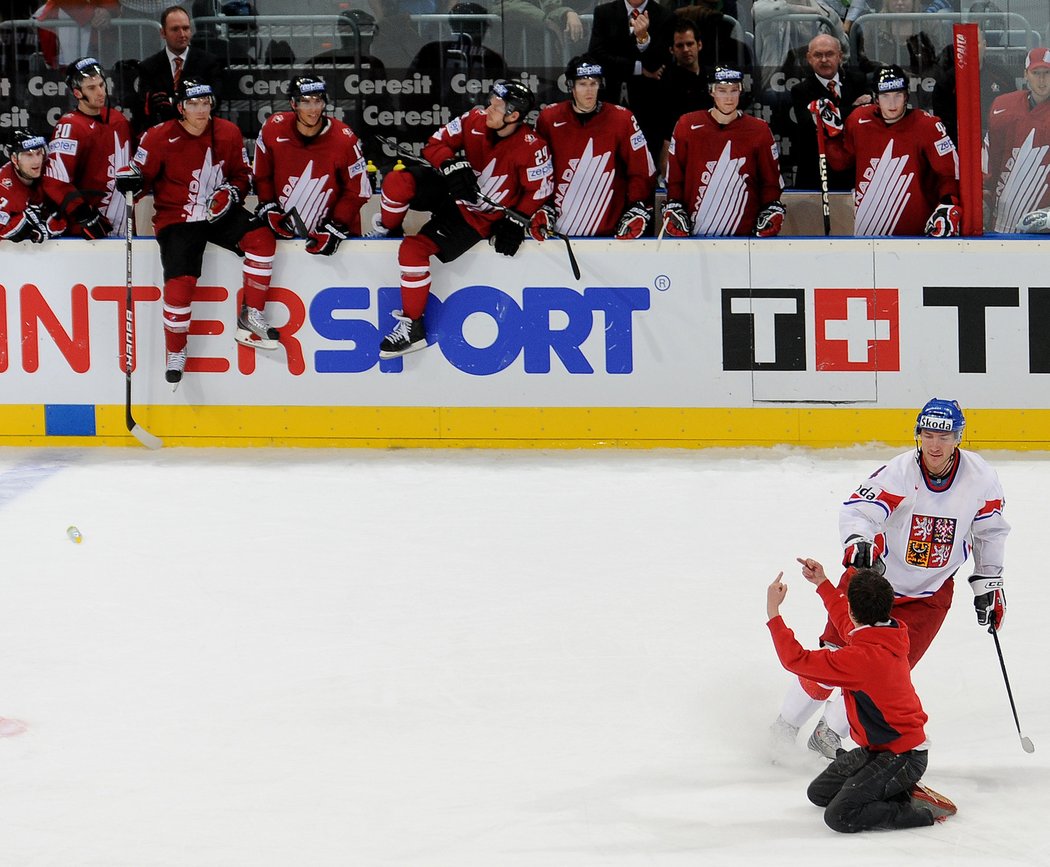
{"x": 822, "y": 168}
{"x": 1026, "y": 743}
{"x": 136, "y": 430}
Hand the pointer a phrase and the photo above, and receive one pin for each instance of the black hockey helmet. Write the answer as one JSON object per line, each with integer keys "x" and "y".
{"x": 85, "y": 67}
{"x": 308, "y": 85}
{"x": 515, "y": 95}
{"x": 584, "y": 66}
{"x": 727, "y": 75}
{"x": 891, "y": 79}
{"x": 192, "y": 89}
{"x": 23, "y": 140}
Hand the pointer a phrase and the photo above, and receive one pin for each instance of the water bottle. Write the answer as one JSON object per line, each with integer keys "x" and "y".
{"x": 74, "y": 534}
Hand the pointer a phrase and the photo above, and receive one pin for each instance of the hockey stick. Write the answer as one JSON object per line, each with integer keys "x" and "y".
{"x": 1026, "y": 743}
{"x": 516, "y": 216}
{"x": 523, "y": 221}
{"x": 822, "y": 168}
{"x": 137, "y": 431}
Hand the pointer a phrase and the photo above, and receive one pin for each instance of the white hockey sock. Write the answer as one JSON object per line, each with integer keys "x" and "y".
{"x": 835, "y": 715}
{"x": 798, "y": 705}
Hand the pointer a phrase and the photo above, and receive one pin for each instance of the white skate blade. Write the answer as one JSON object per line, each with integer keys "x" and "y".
{"x": 415, "y": 347}
{"x": 246, "y": 338}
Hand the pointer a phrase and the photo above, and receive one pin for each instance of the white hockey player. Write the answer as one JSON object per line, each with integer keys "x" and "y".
{"x": 918, "y": 518}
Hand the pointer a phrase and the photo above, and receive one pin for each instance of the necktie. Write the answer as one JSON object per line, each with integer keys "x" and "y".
{"x": 833, "y": 90}
{"x": 177, "y": 74}
{"x": 634, "y": 14}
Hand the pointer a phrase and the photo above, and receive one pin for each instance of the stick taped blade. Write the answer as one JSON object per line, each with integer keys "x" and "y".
{"x": 146, "y": 438}
{"x": 1027, "y": 745}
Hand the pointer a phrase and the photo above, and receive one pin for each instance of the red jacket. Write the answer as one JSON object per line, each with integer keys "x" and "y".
{"x": 883, "y": 710}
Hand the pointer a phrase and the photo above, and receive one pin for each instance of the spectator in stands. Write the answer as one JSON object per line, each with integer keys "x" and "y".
{"x": 236, "y": 39}
{"x": 902, "y": 42}
{"x": 463, "y": 54}
{"x": 311, "y": 164}
{"x": 631, "y": 48}
{"x": 718, "y": 36}
{"x": 87, "y": 29}
{"x": 996, "y": 80}
{"x": 827, "y": 78}
{"x": 1018, "y": 181}
{"x": 683, "y": 85}
{"x": 604, "y": 176}
{"x": 89, "y": 144}
{"x": 906, "y": 170}
{"x": 160, "y": 73}
{"x": 723, "y": 173}
{"x": 396, "y": 39}
{"x": 352, "y": 51}
{"x": 781, "y": 42}
{"x": 26, "y": 212}
{"x": 527, "y": 22}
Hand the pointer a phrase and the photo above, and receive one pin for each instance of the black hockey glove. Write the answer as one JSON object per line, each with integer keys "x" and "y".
{"x": 159, "y": 106}
{"x": 326, "y": 238}
{"x": 989, "y": 601}
{"x": 634, "y": 222}
{"x": 770, "y": 220}
{"x": 676, "y": 219}
{"x": 128, "y": 179}
{"x": 861, "y": 553}
{"x": 507, "y": 235}
{"x": 92, "y": 222}
{"x": 461, "y": 180}
{"x": 269, "y": 214}
{"x": 220, "y": 202}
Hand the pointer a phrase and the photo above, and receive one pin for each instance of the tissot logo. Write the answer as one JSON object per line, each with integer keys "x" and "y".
{"x": 763, "y": 329}
{"x": 856, "y": 329}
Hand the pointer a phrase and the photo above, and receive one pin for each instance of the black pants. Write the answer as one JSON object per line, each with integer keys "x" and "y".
{"x": 864, "y": 790}
{"x": 446, "y": 227}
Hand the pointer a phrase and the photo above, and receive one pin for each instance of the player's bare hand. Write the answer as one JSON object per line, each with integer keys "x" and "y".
{"x": 812, "y": 571}
{"x": 775, "y": 594}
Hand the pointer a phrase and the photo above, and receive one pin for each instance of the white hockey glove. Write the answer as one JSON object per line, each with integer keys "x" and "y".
{"x": 770, "y": 220}
{"x": 861, "y": 553}
{"x": 676, "y": 219}
{"x": 220, "y": 202}
{"x": 945, "y": 221}
{"x": 634, "y": 222}
{"x": 541, "y": 226}
{"x": 989, "y": 601}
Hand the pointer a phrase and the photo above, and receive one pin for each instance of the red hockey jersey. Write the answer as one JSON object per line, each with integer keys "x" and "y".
{"x": 902, "y": 171}
{"x": 724, "y": 175}
{"x": 601, "y": 165}
{"x": 882, "y": 707}
{"x": 514, "y": 170}
{"x": 15, "y": 197}
{"x": 183, "y": 170}
{"x": 1018, "y": 158}
{"x": 83, "y": 156}
{"x": 319, "y": 177}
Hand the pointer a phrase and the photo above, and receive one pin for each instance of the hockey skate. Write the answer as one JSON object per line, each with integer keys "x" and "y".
{"x": 782, "y": 737}
{"x": 825, "y": 741}
{"x": 378, "y": 230}
{"x": 253, "y": 330}
{"x": 408, "y": 335}
{"x": 935, "y": 802}
{"x": 176, "y": 364}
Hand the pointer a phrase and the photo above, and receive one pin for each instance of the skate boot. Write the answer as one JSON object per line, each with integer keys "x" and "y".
{"x": 254, "y": 330}
{"x": 408, "y": 335}
{"x": 782, "y": 736}
{"x": 176, "y": 364}
{"x": 378, "y": 230}
{"x": 935, "y": 802}
{"x": 825, "y": 741}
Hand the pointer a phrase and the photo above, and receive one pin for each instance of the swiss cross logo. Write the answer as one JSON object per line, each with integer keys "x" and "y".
{"x": 930, "y": 541}
{"x": 856, "y": 329}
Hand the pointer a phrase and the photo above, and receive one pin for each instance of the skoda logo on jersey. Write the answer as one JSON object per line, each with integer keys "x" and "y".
{"x": 932, "y": 422}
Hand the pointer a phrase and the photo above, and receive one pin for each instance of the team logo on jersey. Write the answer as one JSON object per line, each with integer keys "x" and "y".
{"x": 930, "y": 541}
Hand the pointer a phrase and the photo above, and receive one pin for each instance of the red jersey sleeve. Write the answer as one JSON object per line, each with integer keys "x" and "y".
{"x": 942, "y": 156}
{"x": 354, "y": 186}
{"x": 677, "y": 153}
{"x": 641, "y": 171}
{"x": 770, "y": 180}
{"x": 263, "y": 166}
{"x": 236, "y": 168}
{"x": 447, "y": 141}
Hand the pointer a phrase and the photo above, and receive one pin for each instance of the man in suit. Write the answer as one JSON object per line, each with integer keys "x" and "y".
{"x": 629, "y": 39}
{"x": 826, "y": 79}
{"x": 160, "y": 73}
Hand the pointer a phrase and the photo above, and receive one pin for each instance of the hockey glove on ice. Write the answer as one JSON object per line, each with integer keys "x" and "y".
{"x": 676, "y": 219}
{"x": 634, "y": 222}
{"x": 128, "y": 179}
{"x": 542, "y": 223}
{"x": 945, "y": 221}
{"x": 770, "y": 220}
{"x": 507, "y": 235}
{"x": 220, "y": 202}
{"x": 861, "y": 553}
{"x": 92, "y": 222}
{"x": 989, "y": 600}
{"x": 462, "y": 182}
{"x": 826, "y": 114}
{"x": 326, "y": 238}
{"x": 270, "y": 214}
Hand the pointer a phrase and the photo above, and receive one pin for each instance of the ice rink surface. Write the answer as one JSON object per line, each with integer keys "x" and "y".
{"x": 465, "y": 659}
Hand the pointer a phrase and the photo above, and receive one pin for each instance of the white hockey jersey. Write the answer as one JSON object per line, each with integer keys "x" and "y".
{"x": 928, "y": 529}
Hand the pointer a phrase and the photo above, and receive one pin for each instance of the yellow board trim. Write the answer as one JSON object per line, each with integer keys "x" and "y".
{"x": 523, "y": 427}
